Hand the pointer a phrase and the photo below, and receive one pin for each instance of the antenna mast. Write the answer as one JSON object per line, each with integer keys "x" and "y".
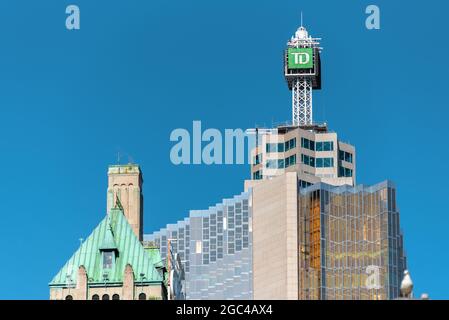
{"x": 302, "y": 72}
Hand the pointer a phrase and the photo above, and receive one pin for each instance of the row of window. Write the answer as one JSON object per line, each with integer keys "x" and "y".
{"x": 318, "y": 162}
{"x": 345, "y": 156}
{"x": 324, "y": 162}
{"x": 317, "y": 146}
{"x": 281, "y": 163}
{"x": 282, "y": 146}
{"x": 142, "y": 296}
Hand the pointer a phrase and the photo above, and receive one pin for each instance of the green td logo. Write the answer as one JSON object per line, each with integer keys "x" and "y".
{"x": 300, "y": 58}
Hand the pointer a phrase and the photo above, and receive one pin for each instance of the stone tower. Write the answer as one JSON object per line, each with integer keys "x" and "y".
{"x": 125, "y": 183}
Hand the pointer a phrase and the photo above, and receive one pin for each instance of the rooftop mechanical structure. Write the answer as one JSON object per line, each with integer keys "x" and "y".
{"x": 302, "y": 71}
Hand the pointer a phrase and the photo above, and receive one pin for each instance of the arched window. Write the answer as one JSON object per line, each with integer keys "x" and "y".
{"x": 115, "y": 297}
{"x": 95, "y": 297}
{"x": 69, "y": 297}
{"x": 105, "y": 297}
{"x": 142, "y": 296}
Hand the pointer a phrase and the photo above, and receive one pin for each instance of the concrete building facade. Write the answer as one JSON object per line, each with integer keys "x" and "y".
{"x": 313, "y": 151}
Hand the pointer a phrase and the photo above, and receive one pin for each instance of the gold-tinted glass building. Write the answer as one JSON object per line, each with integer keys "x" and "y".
{"x": 350, "y": 243}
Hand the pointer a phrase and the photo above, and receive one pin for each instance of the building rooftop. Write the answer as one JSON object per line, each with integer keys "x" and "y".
{"x": 113, "y": 233}
{"x": 124, "y": 168}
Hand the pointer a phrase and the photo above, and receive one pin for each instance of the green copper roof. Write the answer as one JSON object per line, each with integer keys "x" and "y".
{"x": 108, "y": 242}
{"x": 113, "y": 233}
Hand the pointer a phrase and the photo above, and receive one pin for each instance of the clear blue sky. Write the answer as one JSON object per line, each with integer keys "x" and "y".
{"x": 70, "y": 100}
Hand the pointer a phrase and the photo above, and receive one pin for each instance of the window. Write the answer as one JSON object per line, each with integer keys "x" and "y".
{"x": 324, "y": 146}
{"x": 304, "y": 184}
{"x": 324, "y": 162}
{"x": 142, "y": 296}
{"x": 275, "y": 147}
{"x": 307, "y": 144}
{"x": 344, "y": 172}
{"x": 69, "y": 297}
{"x": 257, "y": 159}
{"x": 290, "y": 161}
{"x": 345, "y": 156}
{"x": 307, "y": 160}
{"x": 198, "y": 247}
{"x": 115, "y": 297}
{"x": 290, "y": 144}
{"x": 257, "y": 175}
{"x": 108, "y": 259}
{"x": 105, "y": 297}
{"x": 95, "y": 297}
{"x": 275, "y": 164}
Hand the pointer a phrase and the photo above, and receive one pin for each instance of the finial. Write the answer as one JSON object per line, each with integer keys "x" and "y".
{"x": 407, "y": 285}
{"x": 302, "y": 25}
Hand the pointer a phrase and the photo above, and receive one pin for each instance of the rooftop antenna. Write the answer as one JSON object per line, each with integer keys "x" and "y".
{"x": 302, "y": 72}
{"x": 118, "y": 157}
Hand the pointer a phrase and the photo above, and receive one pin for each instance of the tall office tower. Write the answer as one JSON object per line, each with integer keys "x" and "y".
{"x": 325, "y": 242}
{"x": 125, "y": 183}
{"x": 304, "y": 229}
{"x": 214, "y": 246}
{"x": 316, "y": 235}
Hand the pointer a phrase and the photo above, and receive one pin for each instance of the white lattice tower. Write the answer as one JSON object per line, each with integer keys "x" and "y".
{"x": 302, "y": 101}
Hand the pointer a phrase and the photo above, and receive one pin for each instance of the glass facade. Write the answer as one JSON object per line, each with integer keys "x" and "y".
{"x": 215, "y": 247}
{"x": 351, "y": 246}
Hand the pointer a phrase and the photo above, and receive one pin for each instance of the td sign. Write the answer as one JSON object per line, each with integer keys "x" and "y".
{"x": 300, "y": 58}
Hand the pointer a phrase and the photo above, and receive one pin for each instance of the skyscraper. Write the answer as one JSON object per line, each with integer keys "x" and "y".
{"x": 313, "y": 233}
{"x": 318, "y": 234}
{"x": 324, "y": 241}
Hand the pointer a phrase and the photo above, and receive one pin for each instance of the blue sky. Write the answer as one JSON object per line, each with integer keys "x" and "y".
{"x": 136, "y": 70}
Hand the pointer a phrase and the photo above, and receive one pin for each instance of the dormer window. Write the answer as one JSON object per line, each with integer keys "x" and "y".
{"x": 108, "y": 259}
{"x": 108, "y": 249}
